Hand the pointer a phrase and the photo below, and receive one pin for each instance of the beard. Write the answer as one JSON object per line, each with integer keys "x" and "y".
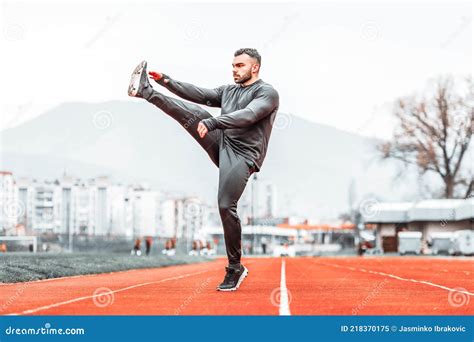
{"x": 245, "y": 77}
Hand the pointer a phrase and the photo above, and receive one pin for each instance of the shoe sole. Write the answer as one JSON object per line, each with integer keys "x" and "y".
{"x": 241, "y": 279}
{"x": 135, "y": 79}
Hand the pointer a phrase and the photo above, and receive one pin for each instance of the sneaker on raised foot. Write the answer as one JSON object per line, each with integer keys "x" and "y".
{"x": 139, "y": 84}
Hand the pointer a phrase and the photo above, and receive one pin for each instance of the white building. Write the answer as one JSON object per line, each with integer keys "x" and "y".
{"x": 182, "y": 217}
{"x": 26, "y": 196}
{"x": 194, "y": 211}
{"x": 167, "y": 226}
{"x": 270, "y": 200}
{"x": 145, "y": 213}
{"x": 121, "y": 210}
{"x": 97, "y": 206}
{"x": 11, "y": 208}
{"x": 428, "y": 216}
{"x": 46, "y": 216}
{"x": 259, "y": 199}
{"x": 82, "y": 210}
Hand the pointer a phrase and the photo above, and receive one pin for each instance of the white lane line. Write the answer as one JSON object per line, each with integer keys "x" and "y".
{"x": 401, "y": 278}
{"x": 46, "y": 307}
{"x": 284, "y": 305}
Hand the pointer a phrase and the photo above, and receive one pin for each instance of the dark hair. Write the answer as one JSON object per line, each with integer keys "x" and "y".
{"x": 251, "y": 52}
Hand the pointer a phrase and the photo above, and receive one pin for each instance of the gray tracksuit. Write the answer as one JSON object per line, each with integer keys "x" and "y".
{"x": 237, "y": 140}
{"x": 247, "y": 113}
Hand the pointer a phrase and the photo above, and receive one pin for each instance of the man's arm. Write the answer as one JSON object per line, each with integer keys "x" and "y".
{"x": 187, "y": 91}
{"x": 261, "y": 106}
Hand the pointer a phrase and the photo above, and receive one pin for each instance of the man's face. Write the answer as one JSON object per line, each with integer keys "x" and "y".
{"x": 243, "y": 67}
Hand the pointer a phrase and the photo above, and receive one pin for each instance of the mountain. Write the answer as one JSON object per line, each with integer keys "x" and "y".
{"x": 311, "y": 165}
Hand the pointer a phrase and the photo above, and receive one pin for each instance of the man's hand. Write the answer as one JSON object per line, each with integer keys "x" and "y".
{"x": 156, "y": 76}
{"x": 202, "y": 130}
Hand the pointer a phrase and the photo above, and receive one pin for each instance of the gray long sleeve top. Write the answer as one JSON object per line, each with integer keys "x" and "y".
{"x": 247, "y": 113}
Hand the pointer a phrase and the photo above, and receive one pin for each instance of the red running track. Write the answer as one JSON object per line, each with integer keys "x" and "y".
{"x": 304, "y": 286}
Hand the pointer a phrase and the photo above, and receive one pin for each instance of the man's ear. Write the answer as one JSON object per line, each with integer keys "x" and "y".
{"x": 256, "y": 68}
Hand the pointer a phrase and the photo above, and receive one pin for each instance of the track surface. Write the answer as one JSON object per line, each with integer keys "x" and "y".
{"x": 307, "y": 286}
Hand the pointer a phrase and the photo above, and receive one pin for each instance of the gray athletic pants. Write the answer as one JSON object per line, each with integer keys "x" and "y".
{"x": 234, "y": 170}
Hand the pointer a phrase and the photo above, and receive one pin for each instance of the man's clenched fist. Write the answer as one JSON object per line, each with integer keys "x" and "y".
{"x": 155, "y": 75}
{"x": 202, "y": 130}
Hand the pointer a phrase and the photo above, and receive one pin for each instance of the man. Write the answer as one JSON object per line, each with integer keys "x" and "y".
{"x": 148, "y": 242}
{"x": 236, "y": 141}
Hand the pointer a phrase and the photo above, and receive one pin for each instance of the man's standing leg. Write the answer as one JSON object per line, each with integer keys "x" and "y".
{"x": 234, "y": 174}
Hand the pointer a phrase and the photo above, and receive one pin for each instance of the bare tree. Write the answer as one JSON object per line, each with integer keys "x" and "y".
{"x": 433, "y": 132}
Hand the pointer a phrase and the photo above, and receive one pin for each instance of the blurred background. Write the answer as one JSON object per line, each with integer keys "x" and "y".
{"x": 371, "y": 152}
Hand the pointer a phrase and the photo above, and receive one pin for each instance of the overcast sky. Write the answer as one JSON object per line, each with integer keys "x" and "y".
{"x": 338, "y": 63}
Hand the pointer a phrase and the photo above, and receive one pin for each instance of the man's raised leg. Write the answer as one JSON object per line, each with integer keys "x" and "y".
{"x": 187, "y": 114}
